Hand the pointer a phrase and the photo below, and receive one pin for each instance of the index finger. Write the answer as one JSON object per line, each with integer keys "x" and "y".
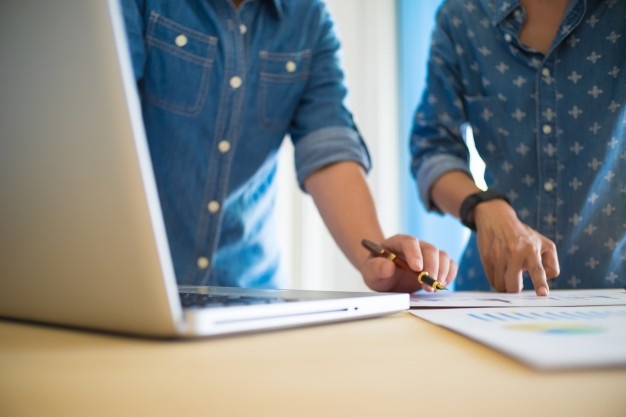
{"x": 409, "y": 248}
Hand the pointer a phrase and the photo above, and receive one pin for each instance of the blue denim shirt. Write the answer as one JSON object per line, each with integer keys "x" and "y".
{"x": 220, "y": 89}
{"x": 551, "y": 129}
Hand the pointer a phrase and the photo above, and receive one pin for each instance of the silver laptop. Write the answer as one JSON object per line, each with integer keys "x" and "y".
{"x": 82, "y": 240}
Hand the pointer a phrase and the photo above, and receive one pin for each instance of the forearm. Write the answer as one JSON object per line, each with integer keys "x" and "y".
{"x": 344, "y": 201}
{"x": 449, "y": 191}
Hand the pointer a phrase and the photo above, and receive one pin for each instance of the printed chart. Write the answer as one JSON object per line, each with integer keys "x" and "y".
{"x": 547, "y": 338}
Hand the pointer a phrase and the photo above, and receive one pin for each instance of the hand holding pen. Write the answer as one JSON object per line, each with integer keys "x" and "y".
{"x": 422, "y": 276}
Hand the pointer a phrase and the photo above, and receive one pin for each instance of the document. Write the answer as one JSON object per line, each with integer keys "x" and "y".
{"x": 546, "y": 338}
{"x": 556, "y": 298}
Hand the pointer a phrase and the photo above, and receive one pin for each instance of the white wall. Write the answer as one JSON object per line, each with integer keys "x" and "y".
{"x": 367, "y": 30}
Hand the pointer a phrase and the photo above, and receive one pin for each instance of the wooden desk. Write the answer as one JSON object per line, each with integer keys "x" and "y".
{"x": 397, "y": 365}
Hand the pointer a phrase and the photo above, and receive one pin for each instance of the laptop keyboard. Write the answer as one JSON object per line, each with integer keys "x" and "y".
{"x": 197, "y": 300}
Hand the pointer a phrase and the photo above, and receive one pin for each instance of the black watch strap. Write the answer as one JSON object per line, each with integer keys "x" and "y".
{"x": 472, "y": 200}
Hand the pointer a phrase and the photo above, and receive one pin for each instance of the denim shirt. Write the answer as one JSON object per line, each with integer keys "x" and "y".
{"x": 220, "y": 89}
{"x": 551, "y": 129}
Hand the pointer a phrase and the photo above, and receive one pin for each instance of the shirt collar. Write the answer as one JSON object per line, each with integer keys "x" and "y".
{"x": 277, "y": 5}
{"x": 503, "y": 8}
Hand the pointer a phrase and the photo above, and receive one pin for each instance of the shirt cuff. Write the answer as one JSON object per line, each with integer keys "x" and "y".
{"x": 327, "y": 146}
{"x": 430, "y": 172}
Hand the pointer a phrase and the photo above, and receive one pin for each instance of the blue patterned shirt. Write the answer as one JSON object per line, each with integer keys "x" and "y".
{"x": 220, "y": 89}
{"x": 551, "y": 129}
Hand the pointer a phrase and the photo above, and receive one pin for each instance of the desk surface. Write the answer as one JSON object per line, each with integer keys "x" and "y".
{"x": 391, "y": 366}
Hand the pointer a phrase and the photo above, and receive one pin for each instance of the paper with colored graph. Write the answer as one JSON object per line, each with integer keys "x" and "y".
{"x": 556, "y": 298}
{"x": 550, "y": 338}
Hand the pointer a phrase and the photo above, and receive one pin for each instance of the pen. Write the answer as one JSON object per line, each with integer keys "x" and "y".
{"x": 422, "y": 277}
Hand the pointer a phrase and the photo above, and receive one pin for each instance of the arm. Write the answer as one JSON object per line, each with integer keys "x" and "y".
{"x": 507, "y": 246}
{"x": 344, "y": 201}
{"x": 331, "y": 162}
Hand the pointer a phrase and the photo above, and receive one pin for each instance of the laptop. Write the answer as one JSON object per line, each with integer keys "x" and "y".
{"x": 82, "y": 239}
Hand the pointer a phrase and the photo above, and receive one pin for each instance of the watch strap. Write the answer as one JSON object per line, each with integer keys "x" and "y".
{"x": 472, "y": 200}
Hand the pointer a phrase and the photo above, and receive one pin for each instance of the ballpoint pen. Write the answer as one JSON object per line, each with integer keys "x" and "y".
{"x": 422, "y": 276}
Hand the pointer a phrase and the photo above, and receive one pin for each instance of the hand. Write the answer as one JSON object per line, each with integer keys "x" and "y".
{"x": 509, "y": 247}
{"x": 381, "y": 274}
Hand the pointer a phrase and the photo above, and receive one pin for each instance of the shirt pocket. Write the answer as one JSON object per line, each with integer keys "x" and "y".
{"x": 485, "y": 118}
{"x": 282, "y": 80}
{"x": 179, "y": 63}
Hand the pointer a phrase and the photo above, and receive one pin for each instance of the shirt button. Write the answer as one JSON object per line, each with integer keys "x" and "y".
{"x": 508, "y": 37}
{"x": 547, "y": 129}
{"x": 548, "y": 186}
{"x": 243, "y": 29}
{"x": 203, "y": 262}
{"x": 290, "y": 66}
{"x": 223, "y": 146}
{"x": 181, "y": 40}
{"x": 213, "y": 206}
{"x": 545, "y": 72}
{"x": 236, "y": 82}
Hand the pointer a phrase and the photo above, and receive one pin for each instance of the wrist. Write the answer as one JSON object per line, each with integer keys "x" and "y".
{"x": 466, "y": 212}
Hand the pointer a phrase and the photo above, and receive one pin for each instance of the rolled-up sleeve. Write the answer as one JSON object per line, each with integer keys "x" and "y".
{"x": 327, "y": 146}
{"x": 322, "y": 130}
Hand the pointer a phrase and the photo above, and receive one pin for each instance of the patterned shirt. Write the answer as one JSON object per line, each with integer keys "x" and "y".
{"x": 220, "y": 88}
{"x": 550, "y": 128}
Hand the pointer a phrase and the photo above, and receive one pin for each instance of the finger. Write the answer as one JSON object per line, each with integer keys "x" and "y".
{"x": 382, "y": 268}
{"x": 444, "y": 268}
{"x": 498, "y": 269}
{"x": 550, "y": 259}
{"x": 379, "y": 273}
{"x": 410, "y": 248}
{"x": 514, "y": 279}
{"x": 538, "y": 276}
{"x": 484, "y": 250}
{"x": 452, "y": 271}
{"x": 513, "y": 275}
{"x": 489, "y": 271}
{"x": 431, "y": 262}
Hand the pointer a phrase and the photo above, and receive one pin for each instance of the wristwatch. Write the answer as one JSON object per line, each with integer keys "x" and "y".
{"x": 472, "y": 200}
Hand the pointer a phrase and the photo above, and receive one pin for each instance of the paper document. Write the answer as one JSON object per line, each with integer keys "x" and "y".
{"x": 550, "y": 338}
{"x": 556, "y": 298}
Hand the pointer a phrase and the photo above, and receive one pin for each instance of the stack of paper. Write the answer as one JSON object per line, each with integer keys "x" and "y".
{"x": 569, "y": 329}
